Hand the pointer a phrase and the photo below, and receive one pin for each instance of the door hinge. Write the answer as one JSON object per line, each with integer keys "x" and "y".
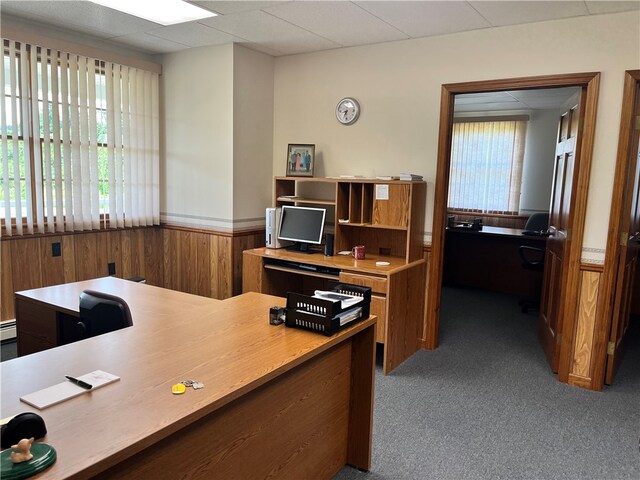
{"x": 611, "y": 348}
{"x": 638, "y": 122}
{"x": 624, "y": 236}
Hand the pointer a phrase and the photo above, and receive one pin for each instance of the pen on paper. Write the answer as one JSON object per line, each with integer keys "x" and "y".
{"x": 79, "y": 382}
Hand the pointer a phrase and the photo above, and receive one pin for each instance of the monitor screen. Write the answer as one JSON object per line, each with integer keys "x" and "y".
{"x": 302, "y": 224}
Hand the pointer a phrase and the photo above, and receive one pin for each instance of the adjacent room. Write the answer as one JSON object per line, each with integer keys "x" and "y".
{"x": 320, "y": 239}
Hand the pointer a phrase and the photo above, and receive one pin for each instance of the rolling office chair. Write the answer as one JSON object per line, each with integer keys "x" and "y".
{"x": 537, "y": 224}
{"x": 101, "y": 313}
{"x": 533, "y": 257}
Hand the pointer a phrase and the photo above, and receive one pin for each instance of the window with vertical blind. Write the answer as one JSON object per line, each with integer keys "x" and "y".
{"x": 486, "y": 166}
{"x": 80, "y": 146}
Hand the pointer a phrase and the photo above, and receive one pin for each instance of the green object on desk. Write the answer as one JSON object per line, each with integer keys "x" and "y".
{"x": 44, "y": 455}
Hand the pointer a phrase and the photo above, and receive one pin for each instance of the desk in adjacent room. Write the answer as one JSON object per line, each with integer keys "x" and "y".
{"x": 489, "y": 259}
{"x": 277, "y": 401}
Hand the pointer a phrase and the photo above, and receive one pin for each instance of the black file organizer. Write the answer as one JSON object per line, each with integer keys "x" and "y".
{"x": 319, "y": 315}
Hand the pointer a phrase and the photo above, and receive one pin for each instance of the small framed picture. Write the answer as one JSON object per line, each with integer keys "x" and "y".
{"x": 300, "y": 160}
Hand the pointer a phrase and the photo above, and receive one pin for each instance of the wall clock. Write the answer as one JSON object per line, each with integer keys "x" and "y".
{"x": 347, "y": 110}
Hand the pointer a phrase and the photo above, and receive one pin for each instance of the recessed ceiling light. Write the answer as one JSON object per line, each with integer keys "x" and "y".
{"x": 164, "y": 12}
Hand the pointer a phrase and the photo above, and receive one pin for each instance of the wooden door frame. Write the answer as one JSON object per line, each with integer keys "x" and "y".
{"x": 589, "y": 82}
{"x": 603, "y": 322}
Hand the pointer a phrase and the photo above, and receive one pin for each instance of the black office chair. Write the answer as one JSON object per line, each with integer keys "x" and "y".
{"x": 537, "y": 224}
{"x": 101, "y": 313}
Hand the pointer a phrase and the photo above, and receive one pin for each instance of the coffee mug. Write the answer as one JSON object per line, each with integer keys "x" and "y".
{"x": 358, "y": 252}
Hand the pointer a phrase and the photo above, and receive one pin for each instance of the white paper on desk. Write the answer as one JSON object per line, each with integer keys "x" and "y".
{"x": 345, "y": 299}
{"x": 65, "y": 390}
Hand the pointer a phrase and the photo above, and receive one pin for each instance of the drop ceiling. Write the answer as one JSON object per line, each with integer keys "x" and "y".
{"x": 539, "y": 99}
{"x": 291, "y": 27}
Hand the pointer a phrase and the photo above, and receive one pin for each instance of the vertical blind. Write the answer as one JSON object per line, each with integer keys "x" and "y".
{"x": 486, "y": 166}
{"x": 80, "y": 142}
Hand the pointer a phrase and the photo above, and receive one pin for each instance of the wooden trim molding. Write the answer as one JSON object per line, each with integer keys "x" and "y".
{"x": 589, "y": 82}
{"x": 603, "y": 323}
{"x": 211, "y": 231}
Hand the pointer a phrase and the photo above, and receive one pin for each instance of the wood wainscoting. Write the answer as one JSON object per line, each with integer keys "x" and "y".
{"x": 28, "y": 262}
{"x": 202, "y": 262}
{"x": 206, "y": 262}
{"x": 590, "y": 307}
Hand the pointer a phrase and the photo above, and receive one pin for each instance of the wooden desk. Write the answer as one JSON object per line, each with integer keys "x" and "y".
{"x": 46, "y": 317}
{"x": 278, "y": 401}
{"x": 489, "y": 259}
{"x": 397, "y": 290}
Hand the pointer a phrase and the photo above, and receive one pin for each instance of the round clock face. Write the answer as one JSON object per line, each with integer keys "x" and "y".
{"x": 347, "y": 110}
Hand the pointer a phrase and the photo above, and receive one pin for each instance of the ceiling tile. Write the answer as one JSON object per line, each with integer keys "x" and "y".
{"x": 271, "y": 32}
{"x": 423, "y": 19}
{"x": 226, "y": 8}
{"x": 341, "y": 22}
{"x": 612, "y": 7}
{"x": 148, "y": 43}
{"x": 512, "y": 13}
{"x": 85, "y": 17}
{"x": 193, "y": 34}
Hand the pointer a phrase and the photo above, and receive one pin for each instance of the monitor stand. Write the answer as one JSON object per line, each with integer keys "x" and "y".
{"x": 300, "y": 247}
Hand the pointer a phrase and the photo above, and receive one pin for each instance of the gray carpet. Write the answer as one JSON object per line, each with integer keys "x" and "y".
{"x": 485, "y": 405}
{"x": 8, "y": 350}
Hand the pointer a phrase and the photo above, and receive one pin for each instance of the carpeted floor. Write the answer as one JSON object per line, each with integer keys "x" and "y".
{"x": 8, "y": 350}
{"x": 485, "y": 405}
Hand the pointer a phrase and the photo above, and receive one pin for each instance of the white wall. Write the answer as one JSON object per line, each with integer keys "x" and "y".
{"x": 196, "y": 159}
{"x": 252, "y": 136}
{"x": 537, "y": 166}
{"x": 398, "y": 85}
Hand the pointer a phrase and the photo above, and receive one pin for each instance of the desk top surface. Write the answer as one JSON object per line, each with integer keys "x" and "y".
{"x": 342, "y": 262}
{"x": 141, "y": 298}
{"x": 227, "y": 345}
{"x": 498, "y": 231}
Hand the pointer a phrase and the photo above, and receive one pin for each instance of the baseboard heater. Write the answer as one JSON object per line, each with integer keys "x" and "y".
{"x": 8, "y": 330}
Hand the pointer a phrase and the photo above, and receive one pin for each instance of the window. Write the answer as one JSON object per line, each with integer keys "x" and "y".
{"x": 486, "y": 166}
{"x": 79, "y": 142}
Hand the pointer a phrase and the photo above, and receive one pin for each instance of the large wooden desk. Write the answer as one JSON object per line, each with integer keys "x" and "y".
{"x": 397, "y": 290}
{"x": 278, "y": 401}
{"x": 489, "y": 259}
{"x": 47, "y": 317}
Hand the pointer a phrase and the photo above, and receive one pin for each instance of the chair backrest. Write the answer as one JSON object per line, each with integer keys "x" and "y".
{"x": 102, "y": 313}
{"x": 538, "y": 222}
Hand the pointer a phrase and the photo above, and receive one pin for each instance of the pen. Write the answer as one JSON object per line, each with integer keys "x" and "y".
{"x": 78, "y": 382}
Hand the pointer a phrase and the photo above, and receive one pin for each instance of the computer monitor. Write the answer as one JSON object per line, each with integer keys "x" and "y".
{"x": 302, "y": 225}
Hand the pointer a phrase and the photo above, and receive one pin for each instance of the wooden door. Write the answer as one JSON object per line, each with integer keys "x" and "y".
{"x": 629, "y": 251}
{"x": 555, "y": 269}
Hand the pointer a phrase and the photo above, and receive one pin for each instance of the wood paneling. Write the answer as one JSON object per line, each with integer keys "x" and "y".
{"x": 587, "y": 310}
{"x": 6, "y": 282}
{"x": 206, "y": 263}
{"x": 27, "y": 262}
{"x": 221, "y": 267}
{"x": 240, "y": 244}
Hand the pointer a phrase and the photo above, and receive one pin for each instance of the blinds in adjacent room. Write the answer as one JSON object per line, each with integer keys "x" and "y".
{"x": 80, "y": 142}
{"x": 486, "y": 166}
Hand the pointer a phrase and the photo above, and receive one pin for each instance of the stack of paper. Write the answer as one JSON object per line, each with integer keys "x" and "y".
{"x": 63, "y": 391}
{"x": 410, "y": 177}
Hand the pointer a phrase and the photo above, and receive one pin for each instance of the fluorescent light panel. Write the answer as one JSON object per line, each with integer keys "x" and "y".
{"x": 164, "y": 12}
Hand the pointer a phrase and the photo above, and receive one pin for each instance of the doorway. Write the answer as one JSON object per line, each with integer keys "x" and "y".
{"x": 621, "y": 271}
{"x": 575, "y": 203}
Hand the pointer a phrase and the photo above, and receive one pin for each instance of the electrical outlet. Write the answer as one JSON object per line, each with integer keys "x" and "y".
{"x": 56, "y": 250}
{"x": 112, "y": 268}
